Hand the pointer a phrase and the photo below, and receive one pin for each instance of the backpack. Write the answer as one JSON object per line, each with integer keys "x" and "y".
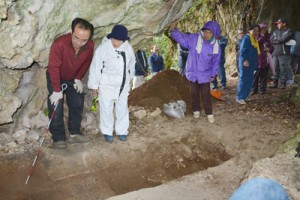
{"x": 297, "y": 46}
{"x": 184, "y": 52}
{"x": 141, "y": 61}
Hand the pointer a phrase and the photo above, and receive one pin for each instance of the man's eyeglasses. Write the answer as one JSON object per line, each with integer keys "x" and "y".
{"x": 78, "y": 40}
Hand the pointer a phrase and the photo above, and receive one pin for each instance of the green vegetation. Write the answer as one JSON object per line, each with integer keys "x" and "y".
{"x": 46, "y": 112}
{"x": 165, "y": 45}
{"x": 189, "y": 22}
{"x": 166, "y": 49}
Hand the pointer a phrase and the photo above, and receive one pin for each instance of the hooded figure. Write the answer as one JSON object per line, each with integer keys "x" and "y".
{"x": 202, "y": 63}
{"x": 260, "y": 188}
{"x": 111, "y": 70}
{"x": 204, "y": 56}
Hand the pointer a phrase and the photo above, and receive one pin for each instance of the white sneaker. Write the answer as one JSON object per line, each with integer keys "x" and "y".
{"x": 241, "y": 101}
{"x": 210, "y": 118}
{"x": 196, "y": 114}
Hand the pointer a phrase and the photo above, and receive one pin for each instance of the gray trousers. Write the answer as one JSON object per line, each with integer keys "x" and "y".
{"x": 282, "y": 66}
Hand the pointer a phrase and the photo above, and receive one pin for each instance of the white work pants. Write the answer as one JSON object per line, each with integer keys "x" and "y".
{"x": 107, "y": 116}
{"x": 137, "y": 81}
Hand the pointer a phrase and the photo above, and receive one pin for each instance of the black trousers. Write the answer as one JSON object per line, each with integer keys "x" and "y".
{"x": 204, "y": 89}
{"x": 260, "y": 80}
{"x": 75, "y": 103}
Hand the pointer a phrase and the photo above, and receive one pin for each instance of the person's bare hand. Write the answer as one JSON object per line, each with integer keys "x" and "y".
{"x": 267, "y": 49}
{"x": 246, "y": 63}
{"x": 173, "y": 25}
{"x": 95, "y": 92}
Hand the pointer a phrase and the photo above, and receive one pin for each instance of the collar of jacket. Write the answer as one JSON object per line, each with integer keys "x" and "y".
{"x": 200, "y": 44}
{"x": 254, "y": 43}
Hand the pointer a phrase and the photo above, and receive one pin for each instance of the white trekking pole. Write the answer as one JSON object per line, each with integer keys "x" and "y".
{"x": 63, "y": 87}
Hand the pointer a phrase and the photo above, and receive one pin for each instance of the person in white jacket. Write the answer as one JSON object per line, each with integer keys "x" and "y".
{"x": 111, "y": 70}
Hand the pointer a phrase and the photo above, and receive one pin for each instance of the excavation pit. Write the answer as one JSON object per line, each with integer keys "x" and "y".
{"x": 99, "y": 170}
{"x": 156, "y": 152}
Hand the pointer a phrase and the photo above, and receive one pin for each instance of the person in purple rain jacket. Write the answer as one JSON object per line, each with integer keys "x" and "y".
{"x": 202, "y": 64}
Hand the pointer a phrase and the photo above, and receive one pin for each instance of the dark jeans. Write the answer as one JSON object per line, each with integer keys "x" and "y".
{"x": 204, "y": 89}
{"x": 281, "y": 64}
{"x": 260, "y": 80}
{"x": 222, "y": 76}
{"x": 181, "y": 64}
{"x": 295, "y": 64}
{"x": 75, "y": 103}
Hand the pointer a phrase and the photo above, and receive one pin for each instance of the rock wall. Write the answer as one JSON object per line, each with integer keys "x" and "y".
{"x": 28, "y": 28}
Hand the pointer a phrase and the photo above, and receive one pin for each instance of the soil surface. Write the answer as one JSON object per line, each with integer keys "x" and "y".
{"x": 159, "y": 149}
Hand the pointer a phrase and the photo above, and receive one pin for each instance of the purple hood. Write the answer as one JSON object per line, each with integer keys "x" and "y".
{"x": 214, "y": 27}
{"x": 200, "y": 67}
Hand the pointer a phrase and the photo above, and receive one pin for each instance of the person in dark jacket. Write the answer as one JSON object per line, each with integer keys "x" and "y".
{"x": 156, "y": 61}
{"x": 222, "y": 73}
{"x": 182, "y": 58}
{"x": 295, "y": 54}
{"x": 281, "y": 54}
{"x": 241, "y": 33}
{"x": 70, "y": 58}
{"x": 141, "y": 68}
{"x": 261, "y": 75}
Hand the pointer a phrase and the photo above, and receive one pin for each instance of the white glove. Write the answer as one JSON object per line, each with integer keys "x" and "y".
{"x": 78, "y": 86}
{"x": 55, "y": 96}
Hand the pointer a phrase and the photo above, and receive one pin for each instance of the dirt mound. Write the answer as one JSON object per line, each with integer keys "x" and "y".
{"x": 164, "y": 87}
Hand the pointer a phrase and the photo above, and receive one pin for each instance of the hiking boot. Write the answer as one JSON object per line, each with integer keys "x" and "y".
{"x": 241, "y": 101}
{"x": 274, "y": 85}
{"x": 108, "y": 138}
{"x": 59, "y": 145}
{"x": 77, "y": 138}
{"x": 123, "y": 137}
{"x": 211, "y": 118}
{"x": 254, "y": 93}
{"x": 262, "y": 92}
{"x": 196, "y": 114}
